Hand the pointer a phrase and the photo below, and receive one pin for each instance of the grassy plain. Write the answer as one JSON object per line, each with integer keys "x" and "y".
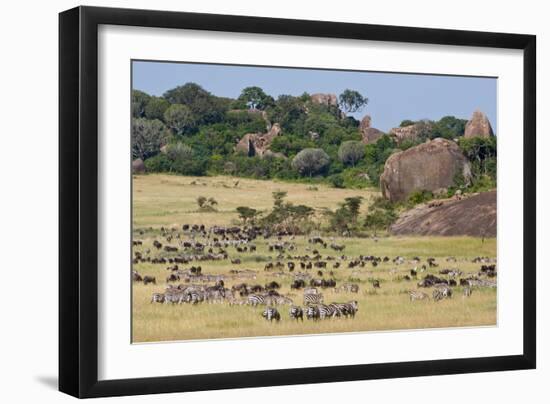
{"x": 170, "y": 201}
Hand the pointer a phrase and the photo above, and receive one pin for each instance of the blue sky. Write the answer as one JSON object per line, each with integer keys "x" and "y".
{"x": 392, "y": 97}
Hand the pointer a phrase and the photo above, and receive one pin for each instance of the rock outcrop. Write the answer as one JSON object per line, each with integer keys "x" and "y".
{"x": 138, "y": 166}
{"x": 474, "y": 216}
{"x": 368, "y": 133}
{"x": 479, "y": 125}
{"x": 325, "y": 99}
{"x": 410, "y": 132}
{"x": 257, "y": 144}
{"x": 429, "y": 166}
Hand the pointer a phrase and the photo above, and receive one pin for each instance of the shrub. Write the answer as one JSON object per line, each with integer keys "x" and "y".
{"x": 147, "y": 137}
{"x": 311, "y": 161}
{"x": 351, "y": 151}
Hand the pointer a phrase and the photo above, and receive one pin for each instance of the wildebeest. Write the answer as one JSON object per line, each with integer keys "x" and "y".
{"x": 149, "y": 279}
{"x": 136, "y": 277}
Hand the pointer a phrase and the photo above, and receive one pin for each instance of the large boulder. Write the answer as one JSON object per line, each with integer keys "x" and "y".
{"x": 138, "y": 166}
{"x": 479, "y": 125}
{"x": 430, "y": 166}
{"x": 410, "y": 132}
{"x": 257, "y": 144}
{"x": 325, "y": 99}
{"x": 368, "y": 133}
{"x": 473, "y": 216}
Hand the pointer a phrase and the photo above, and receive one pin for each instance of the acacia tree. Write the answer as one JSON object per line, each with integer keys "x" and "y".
{"x": 247, "y": 214}
{"x": 256, "y": 98}
{"x": 147, "y": 137}
{"x": 352, "y": 101}
{"x": 179, "y": 118}
{"x": 310, "y": 161}
{"x": 351, "y": 152}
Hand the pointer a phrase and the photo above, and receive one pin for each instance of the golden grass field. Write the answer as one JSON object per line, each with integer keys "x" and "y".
{"x": 170, "y": 201}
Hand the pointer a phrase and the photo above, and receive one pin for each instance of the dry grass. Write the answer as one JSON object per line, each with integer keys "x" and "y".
{"x": 170, "y": 200}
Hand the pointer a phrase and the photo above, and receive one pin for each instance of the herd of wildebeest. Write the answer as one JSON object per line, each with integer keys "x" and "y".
{"x": 184, "y": 250}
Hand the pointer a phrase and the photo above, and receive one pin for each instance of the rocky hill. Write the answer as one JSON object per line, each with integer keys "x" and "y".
{"x": 474, "y": 216}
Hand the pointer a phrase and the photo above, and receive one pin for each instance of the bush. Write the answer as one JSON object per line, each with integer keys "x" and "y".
{"x": 351, "y": 151}
{"x": 311, "y": 161}
{"x": 158, "y": 164}
{"x": 336, "y": 180}
{"x": 420, "y": 197}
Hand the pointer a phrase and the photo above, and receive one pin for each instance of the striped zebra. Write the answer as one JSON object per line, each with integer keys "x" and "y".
{"x": 271, "y": 313}
{"x": 296, "y": 313}
{"x": 328, "y": 311}
{"x": 279, "y": 300}
{"x": 417, "y": 295}
{"x": 346, "y": 309}
{"x": 255, "y": 299}
{"x": 157, "y": 298}
{"x": 442, "y": 292}
{"x": 312, "y": 313}
{"x": 467, "y": 291}
{"x": 313, "y": 298}
{"x": 193, "y": 297}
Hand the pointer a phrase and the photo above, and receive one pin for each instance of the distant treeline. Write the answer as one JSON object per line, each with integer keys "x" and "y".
{"x": 190, "y": 131}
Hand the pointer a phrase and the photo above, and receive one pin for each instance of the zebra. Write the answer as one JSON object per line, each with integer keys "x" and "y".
{"x": 348, "y": 287}
{"x": 327, "y": 311}
{"x": 271, "y": 313}
{"x": 417, "y": 295}
{"x": 193, "y": 296}
{"x": 442, "y": 292}
{"x": 346, "y": 309}
{"x": 467, "y": 291}
{"x": 313, "y": 298}
{"x": 312, "y": 313}
{"x": 310, "y": 291}
{"x": 157, "y": 298}
{"x": 296, "y": 313}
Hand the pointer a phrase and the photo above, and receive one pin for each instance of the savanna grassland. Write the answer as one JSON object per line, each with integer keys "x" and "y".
{"x": 171, "y": 201}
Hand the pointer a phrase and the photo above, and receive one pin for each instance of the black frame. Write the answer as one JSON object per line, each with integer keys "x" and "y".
{"x": 78, "y": 207}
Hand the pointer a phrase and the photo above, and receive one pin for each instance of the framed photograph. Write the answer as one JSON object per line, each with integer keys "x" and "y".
{"x": 251, "y": 202}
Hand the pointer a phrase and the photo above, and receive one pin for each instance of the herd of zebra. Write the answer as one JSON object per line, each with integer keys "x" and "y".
{"x": 197, "y": 244}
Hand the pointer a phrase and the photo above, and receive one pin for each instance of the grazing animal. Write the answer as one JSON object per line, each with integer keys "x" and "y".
{"x": 157, "y": 244}
{"x": 296, "y": 313}
{"x": 149, "y": 279}
{"x": 271, "y": 313}
{"x": 314, "y": 298}
{"x": 442, "y": 292}
{"x": 376, "y": 284}
{"x": 157, "y": 298}
{"x": 136, "y": 277}
{"x": 467, "y": 291}
{"x": 346, "y": 309}
{"x": 312, "y": 313}
{"x": 418, "y": 295}
{"x": 298, "y": 284}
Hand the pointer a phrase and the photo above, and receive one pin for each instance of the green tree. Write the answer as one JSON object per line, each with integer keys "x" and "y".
{"x": 256, "y": 98}
{"x": 205, "y": 107}
{"x": 351, "y": 152}
{"x": 148, "y": 136}
{"x": 155, "y": 108}
{"x": 311, "y": 161}
{"x": 380, "y": 216}
{"x": 247, "y": 215}
{"x": 179, "y": 118}
{"x": 139, "y": 102}
{"x": 352, "y": 101}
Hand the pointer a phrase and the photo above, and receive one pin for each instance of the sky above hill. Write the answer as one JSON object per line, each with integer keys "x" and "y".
{"x": 392, "y": 97}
